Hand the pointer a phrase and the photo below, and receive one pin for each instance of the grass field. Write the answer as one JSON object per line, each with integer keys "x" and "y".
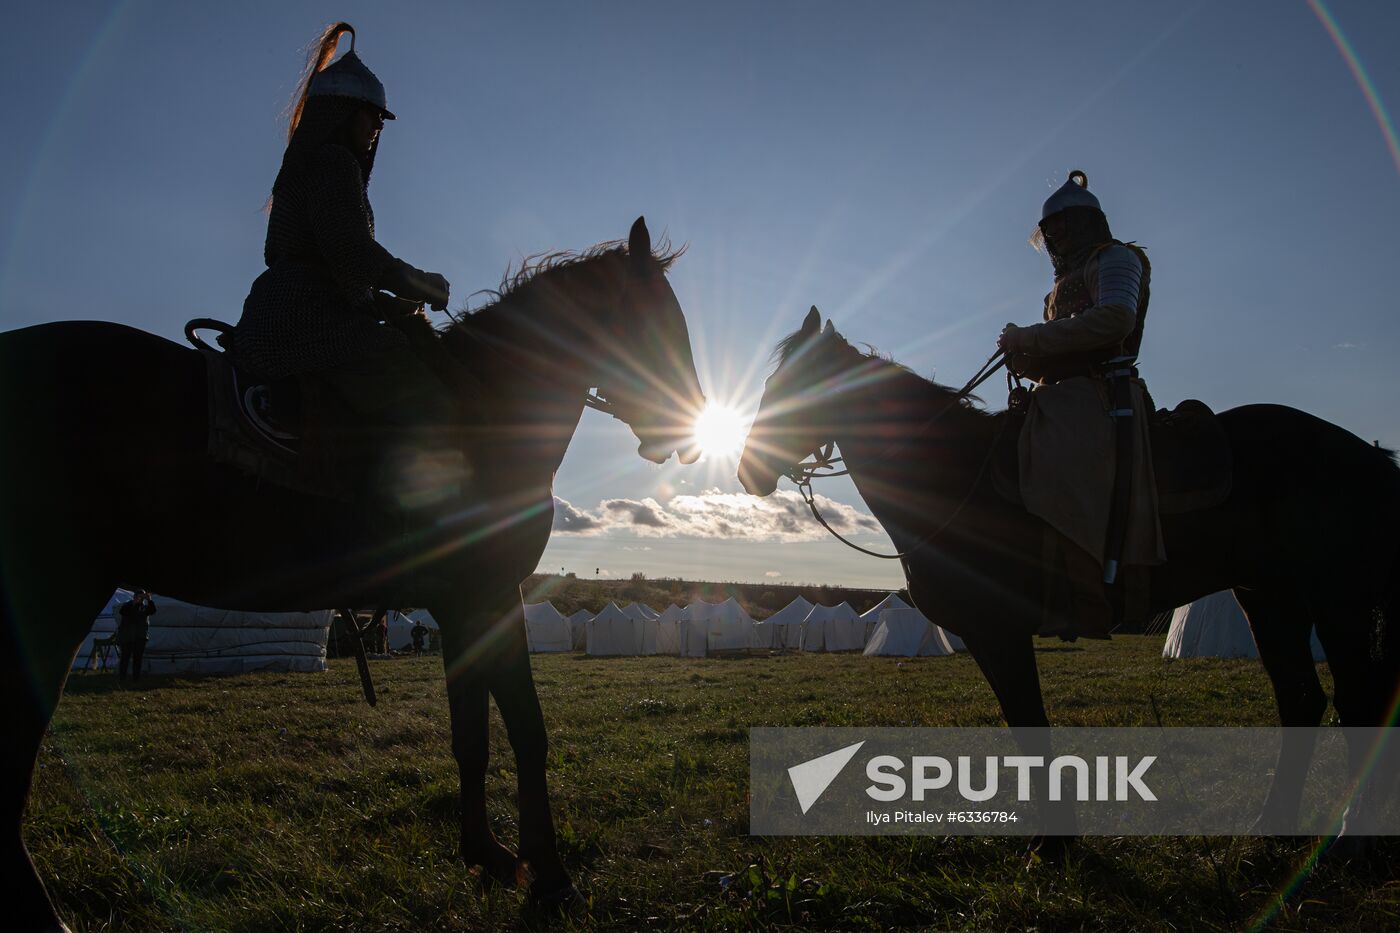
{"x": 283, "y": 802}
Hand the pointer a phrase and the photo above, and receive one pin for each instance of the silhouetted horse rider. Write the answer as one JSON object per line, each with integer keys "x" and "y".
{"x": 1085, "y": 463}
{"x": 317, "y": 309}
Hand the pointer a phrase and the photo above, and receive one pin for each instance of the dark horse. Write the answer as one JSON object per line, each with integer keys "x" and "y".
{"x": 1307, "y": 535}
{"x": 100, "y": 419}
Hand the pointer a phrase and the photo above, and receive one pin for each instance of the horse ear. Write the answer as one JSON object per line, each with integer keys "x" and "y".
{"x": 829, "y": 329}
{"x": 813, "y": 322}
{"x": 639, "y": 244}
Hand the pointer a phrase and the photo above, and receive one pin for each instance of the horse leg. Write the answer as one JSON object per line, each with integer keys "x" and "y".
{"x": 1008, "y": 663}
{"x": 513, "y": 687}
{"x": 36, "y": 653}
{"x": 1282, "y": 631}
{"x": 469, "y": 706}
{"x": 1360, "y": 695}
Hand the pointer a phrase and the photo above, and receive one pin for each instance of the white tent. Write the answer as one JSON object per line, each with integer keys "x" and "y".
{"x": 1214, "y": 626}
{"x": 662, "y": 635}
{"x": 699, "y": 610}
{"x": 871, "y": 617}
{"x": 694, "y": 628}
{"x": 401, "y": 628}
{"x": 613, "y": 632}
{"x": 706, "y": 628}
{"x": 639, "y": 611}
{"x": 783, "y": 629}
{"x": 189, "y": 639}
{"x": 907, "y": 633}
{"x": 730, "y": 628}
{"x": 545, "y": 629}
{"x": 578, "y": 628}
{"x": 833, "y": 628}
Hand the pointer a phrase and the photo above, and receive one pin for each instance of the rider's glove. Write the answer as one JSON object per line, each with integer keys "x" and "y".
{"x": 416, "y": 285}
{"x": 1011, "y": 339}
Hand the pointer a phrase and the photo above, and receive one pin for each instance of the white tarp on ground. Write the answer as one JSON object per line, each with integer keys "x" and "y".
{"x": 783, "y": 629}
{"x": 578, "y": 628}
{"x": 613, "y": 632}
{"x": 401, "y": 628}
{"x": 907, "y": 633}
{"x": 189, "y": 639}
{"x": 546, "y": 629}
{"x": 833, "y": 628}
{"x": 1214, "y": 626}
{"x": 871, "y": 617}
{"x": 707, "y": 628}
{"x": 662, "y": 635}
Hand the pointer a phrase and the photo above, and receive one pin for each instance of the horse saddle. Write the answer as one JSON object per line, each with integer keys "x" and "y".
{"x": 1190, "y": 457}
{"x": 278, "y": 430}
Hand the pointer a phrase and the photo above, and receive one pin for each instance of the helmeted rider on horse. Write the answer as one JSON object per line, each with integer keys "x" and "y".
{"x": 318, "y": 309}
{"x": 1085, "y": 460}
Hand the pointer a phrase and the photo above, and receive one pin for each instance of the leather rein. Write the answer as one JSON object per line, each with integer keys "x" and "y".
{"x": 803, "y": 473}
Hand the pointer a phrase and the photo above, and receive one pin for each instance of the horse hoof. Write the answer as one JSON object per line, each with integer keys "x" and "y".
{"x": 1051, "y": 850}
{"x": 558, "y": 899}
{"x": 501, "y": 870}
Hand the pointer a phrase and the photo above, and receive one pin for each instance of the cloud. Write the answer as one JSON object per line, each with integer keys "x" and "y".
{"x": 648, "y": 512}
{"x": 570, "y": 520}
{"x": 772, "y": 573}
{"x": 781, "y": 517}
{"x": 1346, "y": 345}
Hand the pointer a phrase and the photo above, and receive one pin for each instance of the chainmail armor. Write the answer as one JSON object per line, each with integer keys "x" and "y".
{"x": 312, "y": 310}
{"x": 1072, "y": 295}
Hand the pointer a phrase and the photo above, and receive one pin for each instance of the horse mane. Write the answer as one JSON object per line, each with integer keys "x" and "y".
{"x": 884, "y": 370}
{"x": 520, "y": 284}
{"x": 474, "y": 337}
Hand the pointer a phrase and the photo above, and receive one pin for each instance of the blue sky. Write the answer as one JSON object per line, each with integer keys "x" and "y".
{"x": 884, "y": 162}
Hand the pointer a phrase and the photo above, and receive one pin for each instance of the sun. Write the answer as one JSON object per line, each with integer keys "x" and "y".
{"x": 720, "y": 431}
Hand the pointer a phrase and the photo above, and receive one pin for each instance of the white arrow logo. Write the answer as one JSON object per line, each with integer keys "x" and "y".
{"x": 811, "y": 778}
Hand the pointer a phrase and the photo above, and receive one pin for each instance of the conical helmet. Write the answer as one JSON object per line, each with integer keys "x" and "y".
{"x": 1073, "y": 193}
{"x": 348, "y": 77}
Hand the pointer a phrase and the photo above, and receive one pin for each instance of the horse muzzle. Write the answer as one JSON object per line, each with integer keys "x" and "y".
{"x": 757, "y": 475}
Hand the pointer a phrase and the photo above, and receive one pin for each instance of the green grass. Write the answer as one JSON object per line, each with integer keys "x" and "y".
{"x": 284, "y": 802}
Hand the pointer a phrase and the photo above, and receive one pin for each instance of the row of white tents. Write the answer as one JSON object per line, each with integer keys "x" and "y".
{"x": 194, "y": 640}
{"x": 703, "y": 628}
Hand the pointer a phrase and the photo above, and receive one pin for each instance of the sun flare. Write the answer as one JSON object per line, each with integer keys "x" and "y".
{"x": 720, "y": 431}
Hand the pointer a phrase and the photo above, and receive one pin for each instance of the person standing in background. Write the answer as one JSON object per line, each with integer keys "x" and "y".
{"x": 133, "y": 629}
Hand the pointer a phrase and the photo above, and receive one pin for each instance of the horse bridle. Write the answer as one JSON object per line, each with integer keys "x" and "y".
{"x": 804, "y": 472}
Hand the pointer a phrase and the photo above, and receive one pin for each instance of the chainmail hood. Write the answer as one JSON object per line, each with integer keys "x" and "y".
{"x": 323, "y": 120}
